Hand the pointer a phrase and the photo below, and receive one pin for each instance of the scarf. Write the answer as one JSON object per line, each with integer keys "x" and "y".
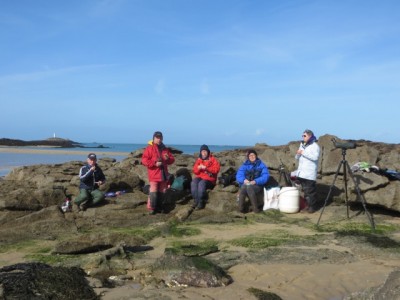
{"x": 310, "y": 141}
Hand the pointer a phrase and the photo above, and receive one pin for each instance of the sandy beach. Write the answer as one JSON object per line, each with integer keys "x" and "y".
{"x": 39, "y": 150}
{"x": 13, "y": 157}
{"x": 303, "y": 281}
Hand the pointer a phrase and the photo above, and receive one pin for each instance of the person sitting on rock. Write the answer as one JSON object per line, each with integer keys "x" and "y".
{"x": 206, "y": 169}
{"x": 91, "y": 177}
{"x": 251, "y": 176}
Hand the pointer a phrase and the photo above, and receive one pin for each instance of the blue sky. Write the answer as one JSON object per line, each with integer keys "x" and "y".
{"x": 208, "y": 71}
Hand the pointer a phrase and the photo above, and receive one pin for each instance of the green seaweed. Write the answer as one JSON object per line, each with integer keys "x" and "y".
{"x": 263, "y": 295}
{"x": 273, "y": 239}
{"x": 145, "y": 233}
{"x": 50, "y": 259}
{"x": 356, "y": 228}
{"x": 200, "y": 248}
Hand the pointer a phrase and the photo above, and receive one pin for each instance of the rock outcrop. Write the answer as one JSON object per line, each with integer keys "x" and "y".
{"x": 104, "y": 237}
{"x": 54, "y": 142}
{"x": 30, "y": 196}
{"x": 40, "y": 281}
{"x": 179, "y": 270}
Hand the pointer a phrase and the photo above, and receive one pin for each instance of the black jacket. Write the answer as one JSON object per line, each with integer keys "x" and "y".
{"x": 88, "y": 178}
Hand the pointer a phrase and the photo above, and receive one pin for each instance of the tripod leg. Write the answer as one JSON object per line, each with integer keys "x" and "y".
{"x": 361, "y": 196}
{"x": 345, "y": 186}
{"x": 287, "y": 179}
{"x": 330, "y": 190}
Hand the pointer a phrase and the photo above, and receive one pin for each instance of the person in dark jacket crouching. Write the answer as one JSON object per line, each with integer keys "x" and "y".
{"x": 91, "y": 177}
{"x": 251, "y": 176}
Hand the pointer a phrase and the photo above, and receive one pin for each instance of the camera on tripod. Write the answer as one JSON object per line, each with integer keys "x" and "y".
{"x": 347, "y": 171}
{"x": 344, "y": 146}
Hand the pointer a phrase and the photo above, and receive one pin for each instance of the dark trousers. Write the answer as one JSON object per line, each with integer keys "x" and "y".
{"x": 156, "y": 194}
{"x": 92, "y": 197}
{"x": 198, "y": 188}
{"x": 250, "y": 191}
{"x": 310, "y": 192}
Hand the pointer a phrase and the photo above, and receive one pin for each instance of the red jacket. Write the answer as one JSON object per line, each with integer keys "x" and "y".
{"x": 210, "y": 172}
{"x": 149, "y": 158}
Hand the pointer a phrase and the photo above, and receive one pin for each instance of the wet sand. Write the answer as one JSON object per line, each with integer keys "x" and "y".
{"x": 290, "y": 281}
{"x": 39, "y": 150}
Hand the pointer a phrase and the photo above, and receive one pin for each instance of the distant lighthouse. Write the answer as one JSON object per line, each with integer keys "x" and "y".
{"x": 54, "y": 135}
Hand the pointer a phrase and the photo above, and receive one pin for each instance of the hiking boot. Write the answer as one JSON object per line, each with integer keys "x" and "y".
{"x": 83, "y": 206}
{"x": 311, "y": 210}
{"x": 152, "y": 213}
{"x": 304, "y": 210}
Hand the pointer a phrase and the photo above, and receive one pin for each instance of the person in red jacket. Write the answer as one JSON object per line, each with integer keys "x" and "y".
{"x": 156, "y": 157}
{"x": 205, "y": 169}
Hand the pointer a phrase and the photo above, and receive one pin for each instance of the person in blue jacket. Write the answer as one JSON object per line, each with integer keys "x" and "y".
{"x": 251, "y": 176}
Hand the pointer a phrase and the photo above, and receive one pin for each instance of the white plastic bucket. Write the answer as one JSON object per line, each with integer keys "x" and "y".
{"x": 289, "y": 200}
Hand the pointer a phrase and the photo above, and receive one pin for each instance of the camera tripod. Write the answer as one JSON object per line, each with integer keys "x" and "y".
{"x": 283, "y": 173}
{"x": 347, "y": 171}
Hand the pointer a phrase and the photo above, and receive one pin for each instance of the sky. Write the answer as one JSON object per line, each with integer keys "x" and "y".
{"x": 216, "y": 72}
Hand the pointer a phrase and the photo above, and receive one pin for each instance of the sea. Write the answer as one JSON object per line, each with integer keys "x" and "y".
{"x": 8, "y": 161}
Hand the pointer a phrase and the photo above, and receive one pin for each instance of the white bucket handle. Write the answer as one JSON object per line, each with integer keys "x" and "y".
{"x": 288, "y": 190}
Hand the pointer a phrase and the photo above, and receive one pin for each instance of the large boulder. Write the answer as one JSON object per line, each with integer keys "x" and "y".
{"x": 40, "y": 281}
{"x": 179, "y": 270}
{"x": 46, "y": 223}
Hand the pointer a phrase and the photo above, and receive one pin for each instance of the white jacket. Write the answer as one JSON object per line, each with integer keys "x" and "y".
{"x": 308, "y": 161}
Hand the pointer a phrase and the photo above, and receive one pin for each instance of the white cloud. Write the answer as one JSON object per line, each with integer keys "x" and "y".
{"x": 46, "y": 73}
{"x": 13, "y": 20}
{"x": 106, "y": 7}
{"x": 333, "y": 62}
{"x": 205, "y": 87}
{"x": 259, "y": 132}
{"x": 160, "y": 86}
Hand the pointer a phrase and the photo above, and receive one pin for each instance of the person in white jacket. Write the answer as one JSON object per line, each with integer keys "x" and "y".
{"x": 308, "y": 155}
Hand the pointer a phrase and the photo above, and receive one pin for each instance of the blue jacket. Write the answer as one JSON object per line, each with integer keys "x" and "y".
{"x": 89, "y": 178}
{"x": 257, "y": 171}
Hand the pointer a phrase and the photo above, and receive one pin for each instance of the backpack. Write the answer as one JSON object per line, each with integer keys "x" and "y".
{"x": 179, "y": 183}
{"x": 228, "y": 177}
{"x": 188, "y": 177}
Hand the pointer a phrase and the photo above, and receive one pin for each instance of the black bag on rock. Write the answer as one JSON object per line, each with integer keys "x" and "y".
{"x": 228, "y": 177}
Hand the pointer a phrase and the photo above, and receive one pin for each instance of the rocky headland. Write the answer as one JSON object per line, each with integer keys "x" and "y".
{"x": 50, "y": 142}
{"x": 216, "y": 252}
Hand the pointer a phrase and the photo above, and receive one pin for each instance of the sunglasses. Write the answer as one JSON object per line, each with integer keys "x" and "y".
{"x": 304, "y": 135}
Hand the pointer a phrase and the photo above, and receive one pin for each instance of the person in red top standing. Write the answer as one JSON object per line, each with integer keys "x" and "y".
{"x": 206, "y": 169}
{"x": 156, "y": 157}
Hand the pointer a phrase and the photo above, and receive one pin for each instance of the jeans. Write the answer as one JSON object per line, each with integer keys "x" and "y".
{"x": 250, "y": 191}
{"x": 198, "y": 188}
